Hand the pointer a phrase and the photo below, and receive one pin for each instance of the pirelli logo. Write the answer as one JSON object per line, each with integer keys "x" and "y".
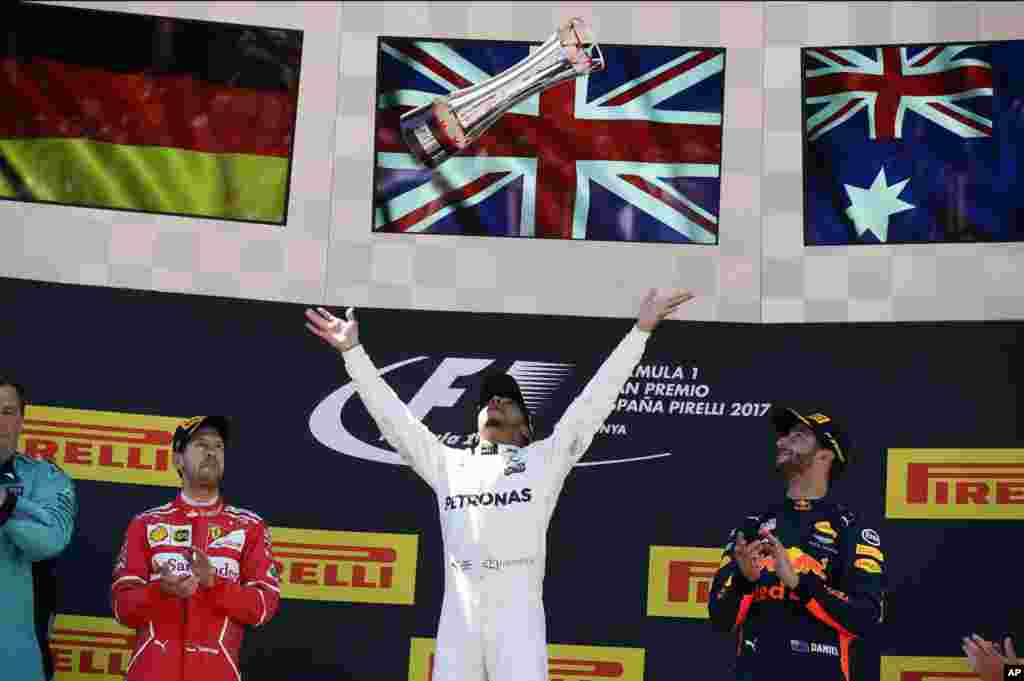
{"x": 679, "y": 580}
{"x": 565, "y": 662}
{"x": 93, "y": 648}
{"x": 946, "y": 484}
{"x": 353, "y": 567}
{"x": 897, "y": 668}
{"x": 100, "y": 445}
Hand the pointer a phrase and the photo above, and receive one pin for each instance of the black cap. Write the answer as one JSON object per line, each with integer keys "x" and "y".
{"x": 498, "y": 384}
{"x": 188, "y": 428}
{"x": 830, "y": 435}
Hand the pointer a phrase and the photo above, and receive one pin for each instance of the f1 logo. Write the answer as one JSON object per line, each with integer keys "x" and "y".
{"x": 437, "y": 391}
{"x": 353, "y": 437}
{"x": 1013, "y": 671}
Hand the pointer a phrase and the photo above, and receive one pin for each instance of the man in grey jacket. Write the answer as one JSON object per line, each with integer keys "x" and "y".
{"x": 37, "y": 517}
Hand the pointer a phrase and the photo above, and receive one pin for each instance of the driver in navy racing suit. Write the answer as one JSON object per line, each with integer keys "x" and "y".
{"x": 801, "y": 582}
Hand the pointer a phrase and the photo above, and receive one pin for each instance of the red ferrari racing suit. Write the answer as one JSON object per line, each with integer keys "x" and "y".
{"x": 198, "y": 637}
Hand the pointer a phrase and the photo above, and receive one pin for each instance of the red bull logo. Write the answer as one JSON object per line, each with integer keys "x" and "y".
{"x": 801, "y": 562}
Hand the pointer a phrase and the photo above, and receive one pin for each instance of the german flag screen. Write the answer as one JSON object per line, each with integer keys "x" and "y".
{"x": 143, "y": 113}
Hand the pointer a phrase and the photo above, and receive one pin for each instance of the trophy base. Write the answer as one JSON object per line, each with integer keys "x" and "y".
{"x": 432, "y": 133}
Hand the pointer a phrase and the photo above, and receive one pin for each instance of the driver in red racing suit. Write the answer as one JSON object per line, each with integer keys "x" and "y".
{"x": 802, "y": 581}
{"x": 194, "y": 571}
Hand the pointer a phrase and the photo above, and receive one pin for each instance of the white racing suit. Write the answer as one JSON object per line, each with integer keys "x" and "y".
{"x": 495, "y": 509}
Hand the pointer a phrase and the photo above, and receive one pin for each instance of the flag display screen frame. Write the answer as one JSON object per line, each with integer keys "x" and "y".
{"x": 936, "y": 165}
{"x": 633, "y": 204}
{"x": 148, "y": 113}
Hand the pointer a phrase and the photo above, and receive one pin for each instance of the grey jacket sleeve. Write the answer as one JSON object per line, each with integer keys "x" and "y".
{"x": 42, "y": 521}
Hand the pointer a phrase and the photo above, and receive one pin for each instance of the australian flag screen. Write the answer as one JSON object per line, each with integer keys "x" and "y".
{"x": 915, "y": 143}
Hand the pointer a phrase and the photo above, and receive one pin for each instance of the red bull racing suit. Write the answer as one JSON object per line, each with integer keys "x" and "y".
{"x": 807, "y": 632}
{"x": 495, "y": 504}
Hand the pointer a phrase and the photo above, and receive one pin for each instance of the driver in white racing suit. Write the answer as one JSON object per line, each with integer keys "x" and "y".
{"x": 495, "y": 499}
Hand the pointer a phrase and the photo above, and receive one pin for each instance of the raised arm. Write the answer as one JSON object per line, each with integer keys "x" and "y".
{"x": 581, "y": 421}
{"x": 411, "y": 439}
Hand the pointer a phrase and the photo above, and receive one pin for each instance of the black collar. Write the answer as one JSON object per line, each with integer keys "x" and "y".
{"x": 7, "y": 472}
{"x": 805, "y": 504}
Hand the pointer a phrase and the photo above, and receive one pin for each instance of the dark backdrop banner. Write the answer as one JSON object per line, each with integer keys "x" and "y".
{"x": 642, "y": 519}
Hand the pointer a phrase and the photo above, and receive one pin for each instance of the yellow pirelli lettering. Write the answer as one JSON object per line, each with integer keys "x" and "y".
{"x": 355, "y": 567}
{"x": 90, "y": 648}
{"x": 947, "y": 484}
{"x": 907, "y": 668}
{"x": 679, "y": 580}
{"x": 104, "y": 446}
{"x": 579, "y": 663}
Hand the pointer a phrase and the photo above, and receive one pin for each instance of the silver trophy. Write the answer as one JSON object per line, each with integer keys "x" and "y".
{"x": 436, "y": 131}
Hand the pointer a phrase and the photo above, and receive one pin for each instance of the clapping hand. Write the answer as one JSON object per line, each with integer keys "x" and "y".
{"x": 748, "y": 556}
{"x": 202, "y": 568}
{"x": 783, "y": 566}
{"x": 182, "y": 586}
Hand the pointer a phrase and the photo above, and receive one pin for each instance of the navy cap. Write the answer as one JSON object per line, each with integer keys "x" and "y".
{"x": 830, "y": 435}
{"x": 498, "y": 384}
{"x": 188, "y": 428}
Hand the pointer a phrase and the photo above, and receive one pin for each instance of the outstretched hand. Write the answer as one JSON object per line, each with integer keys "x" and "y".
{"x": 987, "y": 659}
{"x": 341, "y": 334}
{"x": 654, "y": 308}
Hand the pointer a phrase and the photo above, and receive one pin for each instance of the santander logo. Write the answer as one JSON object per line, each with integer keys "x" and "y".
{"x": 332, "y": 426}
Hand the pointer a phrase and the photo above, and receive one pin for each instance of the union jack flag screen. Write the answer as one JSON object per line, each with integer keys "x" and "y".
{"x": 632, "y": 153}
{"x": 913, "y": 143}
